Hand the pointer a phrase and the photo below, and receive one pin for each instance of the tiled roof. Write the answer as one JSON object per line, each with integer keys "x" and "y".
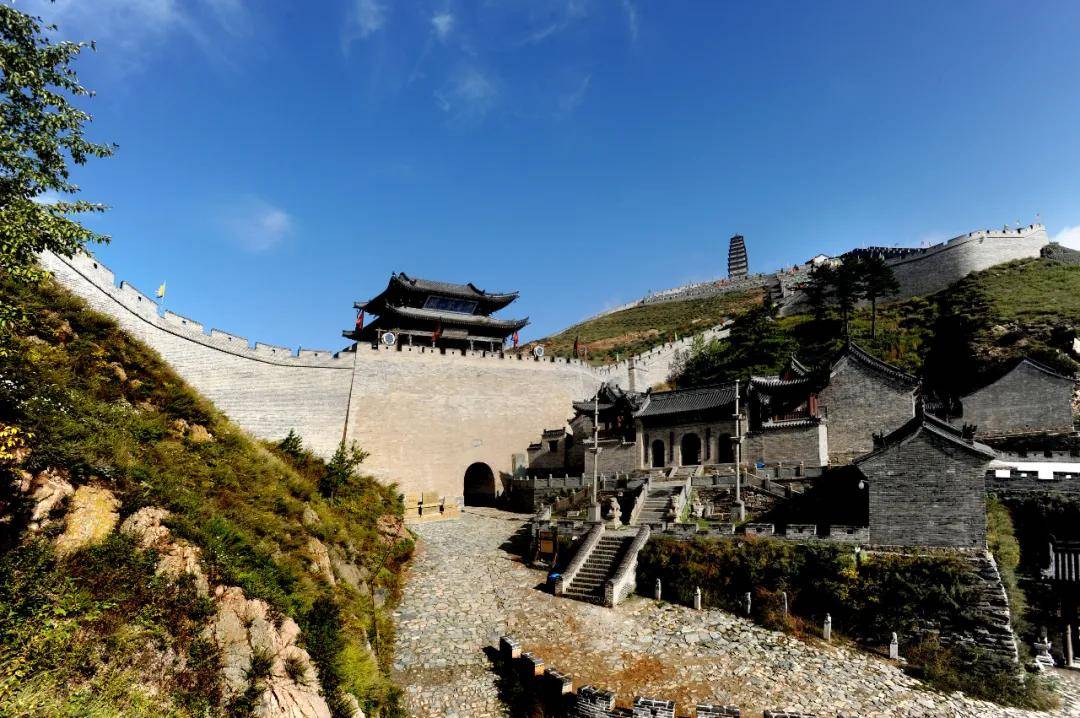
{"x": 469, "y": 290}
{"x": 932, "y": 425}
{"x": 775, "y": 382}
{"x": 860, "y": 355}
{"x": 472, "y": 320}
{"x": 687, "y": 400}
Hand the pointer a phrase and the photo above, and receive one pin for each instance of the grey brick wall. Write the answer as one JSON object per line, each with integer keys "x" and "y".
{"x": 808, "y": 445}
{"x": 927, "y": 492}
{"x": 1024, "y": 400}
{"x": 859, "y": 403}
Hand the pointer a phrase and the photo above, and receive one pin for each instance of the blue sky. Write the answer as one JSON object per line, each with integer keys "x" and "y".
{"x": 277, "y": 160}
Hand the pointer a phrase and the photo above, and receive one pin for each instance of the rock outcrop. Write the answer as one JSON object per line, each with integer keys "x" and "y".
{"x": 45, "y": 490}
{"x": 246, "y": 635}
{"x": 93, "y": 516}
{"x": 178, "y": 557}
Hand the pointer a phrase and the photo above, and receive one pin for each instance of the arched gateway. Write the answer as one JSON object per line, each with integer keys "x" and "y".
{"x": 690, "y": 450}
{"x": 479, "y": 485}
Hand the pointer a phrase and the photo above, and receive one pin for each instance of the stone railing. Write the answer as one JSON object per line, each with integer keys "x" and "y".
{"x": 796, "y": 532}
{"x": 582, "y": 555}
{"x": 622, "y": 583}
{"x": 639, "y": 502}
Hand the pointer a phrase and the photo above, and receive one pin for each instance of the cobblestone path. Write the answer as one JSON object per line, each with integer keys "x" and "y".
{"x": 465, "y": 590}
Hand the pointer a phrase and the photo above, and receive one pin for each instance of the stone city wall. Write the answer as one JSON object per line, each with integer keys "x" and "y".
{"x": 424, "y": 415}
{"x": 935, "y": 268}
{"x": 427, "y": 416}
{"x": 266, "y": 390}
{"x": 651, "y": 368}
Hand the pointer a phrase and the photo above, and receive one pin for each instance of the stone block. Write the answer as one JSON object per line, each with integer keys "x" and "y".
{"x": 653, "y": 708}
{"x": 712, "y": 710}
{"x": 509, "y": 648}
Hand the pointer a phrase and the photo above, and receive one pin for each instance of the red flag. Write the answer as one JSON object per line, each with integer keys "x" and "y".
{"x": 437, "y": 333}
{"x": 360, "y": 321}
{"x": 515, "y": 340}
{"x": 576, "y": 346}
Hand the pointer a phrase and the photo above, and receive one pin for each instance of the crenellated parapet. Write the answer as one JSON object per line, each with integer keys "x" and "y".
{"x": 126, "y": 297}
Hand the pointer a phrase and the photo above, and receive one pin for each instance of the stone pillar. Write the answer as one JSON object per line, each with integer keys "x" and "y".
{"x": 894, "y": 647}
{"x": 656, "y": 590}
{"x": 826, "y": 631}
{"x": 746, "y": 603}
{"x": 1067, "y": 646}
{"x": 697, "y": 598}
{"x": 783, "y": 602}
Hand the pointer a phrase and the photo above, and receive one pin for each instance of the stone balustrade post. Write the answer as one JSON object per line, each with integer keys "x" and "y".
{"x": 656, "y": 590}
{"x": 894, "y": 647}
{"x": 746, "y": 603}
{"x": 697, "y": 598}
{"x": 826, "y": 631}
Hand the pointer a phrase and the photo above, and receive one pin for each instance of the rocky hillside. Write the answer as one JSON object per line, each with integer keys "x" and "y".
{"x": 155, "y": 561}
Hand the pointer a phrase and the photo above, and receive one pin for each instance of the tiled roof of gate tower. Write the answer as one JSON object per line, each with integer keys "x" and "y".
{"x": 688, "y": 400}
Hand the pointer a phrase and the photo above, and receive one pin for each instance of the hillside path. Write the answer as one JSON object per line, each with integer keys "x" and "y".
{"x": 465, "y": 590}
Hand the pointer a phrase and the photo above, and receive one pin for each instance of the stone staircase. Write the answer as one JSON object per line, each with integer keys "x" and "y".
{"x": 656, "y": 503}
{"x": 603, "y": 561}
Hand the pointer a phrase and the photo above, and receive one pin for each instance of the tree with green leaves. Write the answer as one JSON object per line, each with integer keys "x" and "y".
{"x": 42, "y": 134}
{"x": 847, "y": 289}
{"x": 341, "y": 469}
{"x": 877, "y": 281}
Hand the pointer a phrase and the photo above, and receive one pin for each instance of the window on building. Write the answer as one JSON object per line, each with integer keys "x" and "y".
{"x": 553, "y": 446}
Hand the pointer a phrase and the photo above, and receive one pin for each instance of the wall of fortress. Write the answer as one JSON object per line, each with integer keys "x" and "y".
{"x": 427, "y": 416}
{"x": 265, "y": 389}
{"x": 424, "y": 415}
{"x": 645, "y": 370}
{"x": 935, "y": 268}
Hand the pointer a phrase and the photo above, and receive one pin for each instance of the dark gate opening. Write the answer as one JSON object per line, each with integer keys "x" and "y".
{"x": 658, "y": 454}
{"x": 479, "y": 485}
{"x": 691, "y": 450}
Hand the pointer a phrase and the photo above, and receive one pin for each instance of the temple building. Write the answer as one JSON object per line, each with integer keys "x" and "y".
{"x": 737, "y": 262}
{"x": 435, "y": 314}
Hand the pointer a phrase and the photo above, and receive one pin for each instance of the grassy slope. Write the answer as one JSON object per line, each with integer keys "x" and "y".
{"x": 1028, "y": 307}
{"x": 641, "y": 328}
{"x": 103, "y": 407}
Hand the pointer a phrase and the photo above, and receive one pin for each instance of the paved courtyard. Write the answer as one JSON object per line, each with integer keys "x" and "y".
{"x": 465, "y": 590}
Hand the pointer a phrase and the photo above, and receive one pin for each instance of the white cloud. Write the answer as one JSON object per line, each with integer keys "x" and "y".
{"x": 257, "y": 225}
{"x": 126, "y": 31}
{"x": 1068, "y": 237}
{"x": 468, "y": 95}
{"x": 48, "y": 197}
{"x": 369, "y": 17}
{"x": 631, "y": 19}
{"x": 443, "y": 23}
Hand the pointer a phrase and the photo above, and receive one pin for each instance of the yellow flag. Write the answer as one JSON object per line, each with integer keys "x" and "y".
{"x": 161, "y": 291}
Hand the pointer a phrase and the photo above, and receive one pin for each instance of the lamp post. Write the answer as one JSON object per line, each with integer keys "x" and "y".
{"x": 594, "y": 509}
{"x": 738, "y": 508}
